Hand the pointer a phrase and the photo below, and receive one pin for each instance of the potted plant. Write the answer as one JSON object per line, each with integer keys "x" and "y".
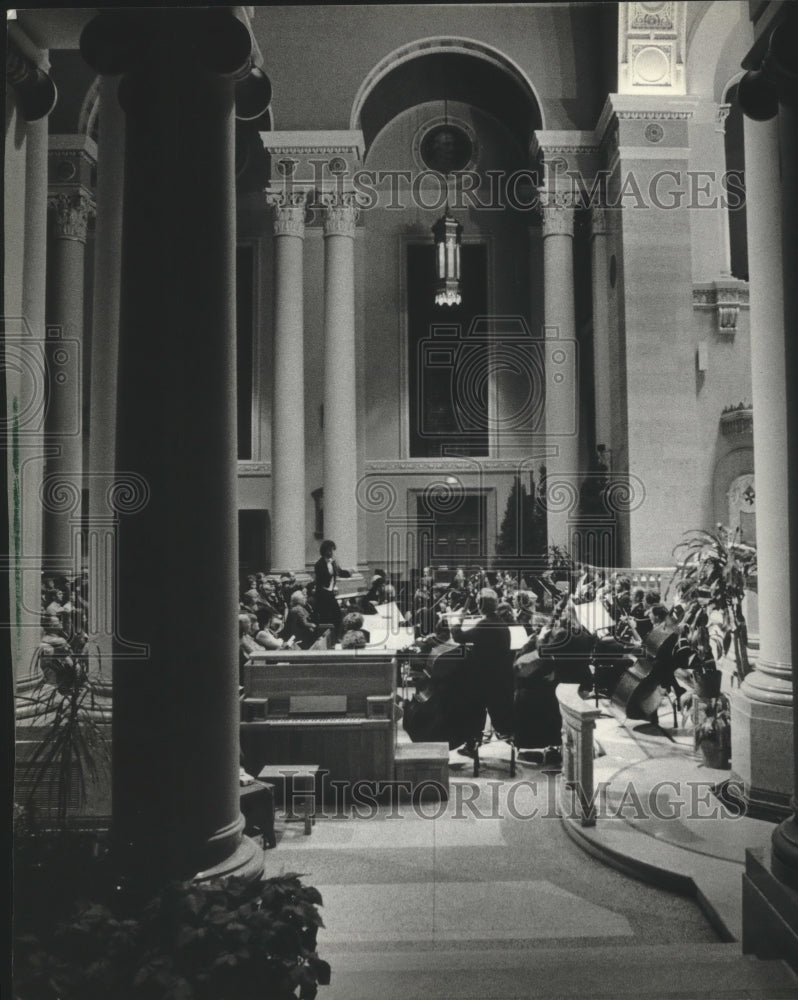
{"x": 67, "y": 733}
{"x": 713, "y": 734}
{"x": 712, "y": 574}
{"x": 62, "y": 756}
{"x": 224, "y": 939}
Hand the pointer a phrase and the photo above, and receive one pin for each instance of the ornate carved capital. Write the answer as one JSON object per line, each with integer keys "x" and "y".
{"x": 69, "y": 213}
{"x": 288, "y": 212}
{"x": 340, "y": 212}
{"x": 557, "y": 213}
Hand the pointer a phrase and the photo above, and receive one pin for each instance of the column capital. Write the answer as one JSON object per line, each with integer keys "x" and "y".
{"x": 557, "y": 212}
{"x": 217, "y": 40}
{"x": 34, "y": 87}
{"x": 775, "y": 79}
{"x": 340, "y": 212}
{"x": 288, "y": 211}
{"x": 69, "y": 213}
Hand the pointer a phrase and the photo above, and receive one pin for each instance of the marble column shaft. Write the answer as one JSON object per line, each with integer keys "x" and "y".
{"x": 175, "y": 753}
{"x": 105, "y": 355}
{"x": 771, "y": 681}
{"x": 340, "y": 401}
{"x": 288, "y": 406}
{"x": 562, "y": 395}
{"x": 69, "y": 218}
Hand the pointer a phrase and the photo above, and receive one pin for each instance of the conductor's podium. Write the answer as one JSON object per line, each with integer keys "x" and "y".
{"x": 333, "y": 708}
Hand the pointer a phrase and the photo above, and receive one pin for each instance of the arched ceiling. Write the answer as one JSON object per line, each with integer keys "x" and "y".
{"x": 451, "y": 76}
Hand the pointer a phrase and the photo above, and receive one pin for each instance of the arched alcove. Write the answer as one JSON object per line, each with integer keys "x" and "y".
{"x": 447, "y": 69}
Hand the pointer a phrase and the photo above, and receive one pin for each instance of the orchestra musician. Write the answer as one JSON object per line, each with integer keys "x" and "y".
{"x": 490, "y": 673}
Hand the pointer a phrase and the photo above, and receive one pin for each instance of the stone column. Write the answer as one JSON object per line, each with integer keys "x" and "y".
{"x": 340, "y": 403}
{"x": 770, "y": 891}
{"x": 32, "y": 399}
{"x": 784, "y": 59}
{"x": 31, "y": 96}
{"x": 70, "y": 210}
{"x": 288, "y": 397}
{"x": 562, "y": 390}
{"x": 104, "y": 352}
{"x": 762, "y": 708}
{"x": 602, "y": 368}
{"x": 175, "y": 724}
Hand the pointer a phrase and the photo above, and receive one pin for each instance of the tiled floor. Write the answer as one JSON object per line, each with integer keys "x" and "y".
{"x": 491, "y": 866}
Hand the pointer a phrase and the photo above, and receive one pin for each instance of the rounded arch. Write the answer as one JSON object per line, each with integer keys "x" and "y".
{"x": 89, "y": 111}
{"x": 729, "y": 85}
{"x": 510, "y": 93}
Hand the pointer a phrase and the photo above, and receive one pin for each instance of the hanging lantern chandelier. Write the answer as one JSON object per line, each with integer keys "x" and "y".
{"x": 447, "y": 232}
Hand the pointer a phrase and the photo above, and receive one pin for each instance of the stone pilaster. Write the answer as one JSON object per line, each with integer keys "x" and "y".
{"x": 645, "y": 141}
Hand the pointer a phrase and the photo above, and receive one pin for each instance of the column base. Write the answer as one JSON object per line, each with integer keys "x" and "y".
{"x": 770, "y": 911}
{"x": 760, "y": 803}
{"x": 762, "y": 740}
{"x": 246, "y": 862}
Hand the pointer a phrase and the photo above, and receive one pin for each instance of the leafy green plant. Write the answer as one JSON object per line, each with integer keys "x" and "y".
{"x": 71, "y": 747}
{"x": 225, "y": 939}
{"x": 717, "y": 566}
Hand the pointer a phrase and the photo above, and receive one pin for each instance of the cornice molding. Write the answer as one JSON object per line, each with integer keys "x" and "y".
{"x": 343, "y": 142}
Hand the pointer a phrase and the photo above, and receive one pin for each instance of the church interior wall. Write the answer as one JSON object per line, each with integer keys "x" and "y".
{"x": 555, "y": 47}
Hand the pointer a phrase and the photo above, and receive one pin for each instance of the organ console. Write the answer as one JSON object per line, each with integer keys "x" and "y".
{"x": 333, "y": 708}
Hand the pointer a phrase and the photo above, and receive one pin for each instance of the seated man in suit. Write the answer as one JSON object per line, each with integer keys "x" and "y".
{"x": 491, "y": 667}
{"x": 299, "y": 622}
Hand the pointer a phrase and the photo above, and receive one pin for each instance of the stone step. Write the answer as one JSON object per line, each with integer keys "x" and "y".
{"x": 657, "y": 972}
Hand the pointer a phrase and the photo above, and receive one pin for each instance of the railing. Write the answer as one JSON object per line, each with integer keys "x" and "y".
{"x": 577, "y": 791}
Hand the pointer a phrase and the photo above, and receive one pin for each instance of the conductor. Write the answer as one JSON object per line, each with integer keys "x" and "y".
{"x": 327, "y": 571}
{"x": 490, "y": 671}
